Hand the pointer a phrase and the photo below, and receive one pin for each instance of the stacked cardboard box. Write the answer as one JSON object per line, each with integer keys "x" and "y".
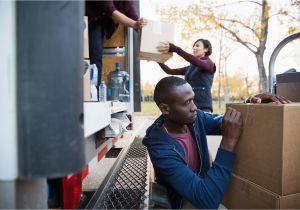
{"x": 267, "y": 169}
{"x": 86, "y": 81}
{"x": 85, "y": 38}
{"x": 243, "y": 194}
{"x": 117, "y": 39}
{"x": 86, "y": 61}
{"x": 149, "y": 38}
{"x": 109, "y": 59}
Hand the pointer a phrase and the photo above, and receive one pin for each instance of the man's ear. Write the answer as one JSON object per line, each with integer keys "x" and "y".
{"x": 164, "y": 108}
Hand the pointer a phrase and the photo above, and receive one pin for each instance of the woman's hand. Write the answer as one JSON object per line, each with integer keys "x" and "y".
{"x": 267, "y": 98}
{"x": 163, "y": 47}
{"x": 140, "y": 23}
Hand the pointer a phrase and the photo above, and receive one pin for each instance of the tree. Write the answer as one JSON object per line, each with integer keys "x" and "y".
{"x": 296, "y": 2}
{"x": 251, "y": 30}
{"x": 147, "y": 90}
{"x": 239, "y": 86}
{"x": 224, "y": 53}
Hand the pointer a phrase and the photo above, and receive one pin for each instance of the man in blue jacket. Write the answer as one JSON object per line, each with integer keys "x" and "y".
{"x": 178, "y": 149}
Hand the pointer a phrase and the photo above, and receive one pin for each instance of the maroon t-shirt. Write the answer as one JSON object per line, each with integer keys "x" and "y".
{"x": 188, "y": 142}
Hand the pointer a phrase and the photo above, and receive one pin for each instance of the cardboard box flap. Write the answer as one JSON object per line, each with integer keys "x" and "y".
{"x": 290, "y": 201}
{"x": 244, "y": 194}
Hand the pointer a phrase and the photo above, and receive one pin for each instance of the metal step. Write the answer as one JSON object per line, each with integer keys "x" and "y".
{"x": 127, "y": 184}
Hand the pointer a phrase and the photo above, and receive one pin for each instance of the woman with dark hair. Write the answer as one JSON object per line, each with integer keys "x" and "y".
{"x": 199, "y": 74}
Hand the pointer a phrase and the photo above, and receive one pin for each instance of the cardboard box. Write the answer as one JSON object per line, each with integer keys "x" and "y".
{"x": 149, "y": 37}
{"x": 289, "y": 90}
{"x": 288, "y": 85}
{"x": 117, "y": 39}
{"x": 268, "y": 152}
{"x": 86, "y": 81}
{"x": 85, "y": 38}
{"x": 243, "y": 194}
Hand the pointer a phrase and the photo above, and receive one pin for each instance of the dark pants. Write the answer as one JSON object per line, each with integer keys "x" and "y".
{"x": 96, "y": 36}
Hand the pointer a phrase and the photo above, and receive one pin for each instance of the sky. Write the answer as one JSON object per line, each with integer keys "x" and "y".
{"x": 240, "y": 59}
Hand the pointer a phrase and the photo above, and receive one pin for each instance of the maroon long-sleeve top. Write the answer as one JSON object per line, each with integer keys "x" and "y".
{"x": 204, "y": 63}
{"x": 102, "y": 10}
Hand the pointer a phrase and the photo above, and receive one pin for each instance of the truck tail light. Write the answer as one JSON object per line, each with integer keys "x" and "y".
{"x": 72, "y": 186}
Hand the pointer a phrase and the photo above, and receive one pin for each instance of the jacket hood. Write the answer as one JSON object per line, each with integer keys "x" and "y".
{"x": 155, "y": 133}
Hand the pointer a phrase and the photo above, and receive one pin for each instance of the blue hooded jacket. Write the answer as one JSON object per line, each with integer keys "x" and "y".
{"x": 204, "y": 190}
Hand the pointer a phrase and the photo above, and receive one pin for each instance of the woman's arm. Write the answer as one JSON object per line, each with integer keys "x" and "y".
{"x": 178, "y": 71}
{"x": 119, "y": 17}
{"x": 128, "y": 19}
{"x": 204, "y": 63}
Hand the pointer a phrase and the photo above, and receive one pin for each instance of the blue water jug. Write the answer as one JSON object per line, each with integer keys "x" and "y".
{"x": 118, "y": 85}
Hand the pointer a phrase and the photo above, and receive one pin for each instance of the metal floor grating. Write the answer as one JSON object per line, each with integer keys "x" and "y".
{"x": 127, "y": 187}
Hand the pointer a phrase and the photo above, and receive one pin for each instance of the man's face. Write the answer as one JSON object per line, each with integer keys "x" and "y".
{"x": 181, "y": 108}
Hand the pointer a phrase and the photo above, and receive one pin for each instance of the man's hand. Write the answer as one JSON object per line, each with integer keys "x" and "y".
{"x": 232, "y": 124}
{"x": 163, "y": 47}
{"x": 267, "y": 98}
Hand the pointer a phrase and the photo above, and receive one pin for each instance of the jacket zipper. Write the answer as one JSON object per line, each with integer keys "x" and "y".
{"x": 179, "y": 155}
{"x": 186, "y": 164}
{"x": 200, "y": 151}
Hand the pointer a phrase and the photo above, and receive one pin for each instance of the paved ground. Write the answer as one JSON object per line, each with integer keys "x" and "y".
{"x": 94, "y": 179}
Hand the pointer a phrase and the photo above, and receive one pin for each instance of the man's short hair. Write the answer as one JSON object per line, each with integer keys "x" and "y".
{"x": 164, "y": 87}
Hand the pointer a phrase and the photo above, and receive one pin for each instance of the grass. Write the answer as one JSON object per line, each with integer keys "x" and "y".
{"x": 150, "y": 109}
{"x": 216, "y": 108}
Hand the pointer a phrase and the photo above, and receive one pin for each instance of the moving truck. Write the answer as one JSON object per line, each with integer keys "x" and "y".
{"x": 52, "y": 136}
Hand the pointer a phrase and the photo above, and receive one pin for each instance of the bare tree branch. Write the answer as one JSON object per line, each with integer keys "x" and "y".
{"x": 294, "y": 18}
{"x": 237, "y": 2}
{"x": 238, "y": 38}
{"x": 277, "y": 13}
{"x": 291, "y": 16}
{"x": 248, "y": 43}
{"x": 241, "y": 23}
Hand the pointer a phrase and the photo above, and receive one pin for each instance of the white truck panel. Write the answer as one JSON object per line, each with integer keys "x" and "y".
{"x": 8, "y": 93}
{"x": 96, "y": 116}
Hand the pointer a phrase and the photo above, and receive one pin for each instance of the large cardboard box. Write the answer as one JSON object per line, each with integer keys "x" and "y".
{"x": 268, "y": 152}
{"x": 85, "y": 38}
{"x": 243, "y": 194}
{"x": 117, "y": 39}
{"x": 86, "y": 81}
{"x": 149, "y": 38}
